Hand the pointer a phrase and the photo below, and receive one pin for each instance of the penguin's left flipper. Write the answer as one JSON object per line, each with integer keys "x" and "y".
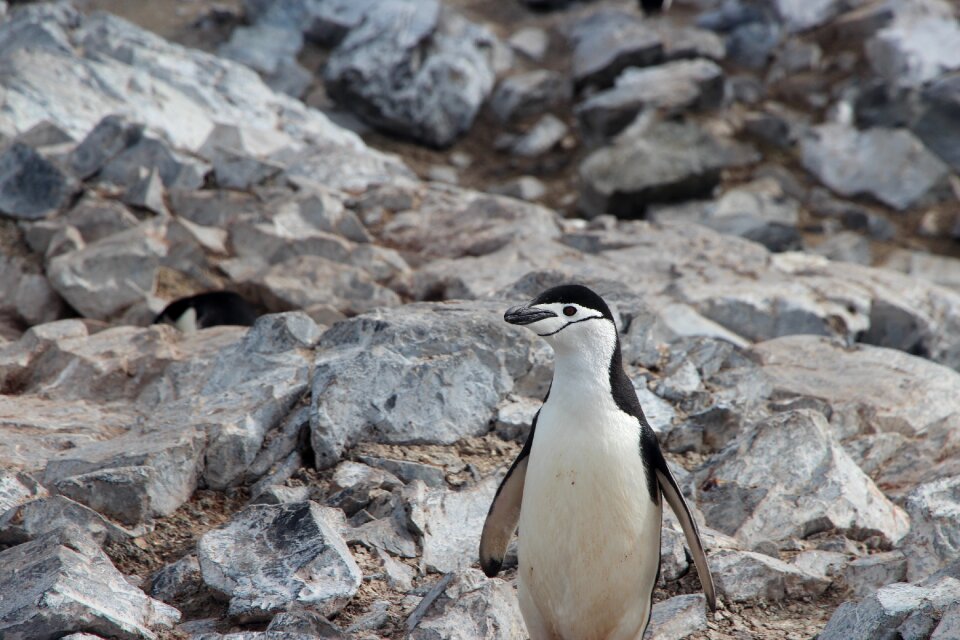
{"x": 504, "y": 513}
{"x": 668, "y": 485}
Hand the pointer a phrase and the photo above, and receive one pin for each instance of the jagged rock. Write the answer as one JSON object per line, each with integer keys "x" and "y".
{"x": 239, "y": 393}
{"x": 269, "y": 558}
{"x": 95, "y": 218}
{"x": 17, "y": 488}
{"x": 818, "y": 486}
{"x": 745, "y": 575}
{"x": 904, "y": 610}
{"x": 403, "y": 52}
{"x": 941, "y": 270}
{"x": 683, "y": 42}
{"x": 272, "y": 52}
{"x": 936, "y": 125}
{"x": 63, "y": 581}
{"x": 934, "y": 538}
{"x": 131, "y": 478}
{"x": 866, "y": 575}
{"x": 823, "y": 564}
{"x": 31, "y": 187}
{"x": 800, "y": 15}
{"x": 280, "y": 443}
{"x": 393, "y": 358}
{"x": 44, "y": 515}
{"x": 408, "y": 471}
{"x": 528, "y": 94}
{"x": 846, "y": 246}
{"x": 36, "y": 302}
{"x": 107, "y": 276}
{"x": 608, "y": 41}
{"x": 531, "y": 42}
{"x": 524, "y": 188}
{"x": 758, "y": 211}
{"x": 176, "y": 580}
{"x": 856, "y": 163}
{"x": 449, "y": 522}
{"x": 107, "y": 139}
{"x": 678, "y": 617}
{"x": 467, "y": 605}
{"x": 235, "y": 170}
{"x": 672, "y": 87}
{"x": 304, "y": 281}
{"x": 655, "y": 162}
{"x": 543, "y": 136}
{"x": 514, "y": 417}
{"x": 306, "y": 622}
{"x": 920, "y": 44}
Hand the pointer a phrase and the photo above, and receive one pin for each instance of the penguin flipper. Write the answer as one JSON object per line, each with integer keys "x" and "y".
{"x": 668, "y": 485}
{"x": 504, "y": 513}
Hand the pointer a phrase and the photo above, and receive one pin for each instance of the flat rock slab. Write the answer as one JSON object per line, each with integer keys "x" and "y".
{"x": 891, "y": 165}
{"x": 62, "y": 582}
{"x": 273, "y": 557}
{"x": 745, "y": 575}
{"x": 429, "y": 373}
{"x": 467, "y": 606}
{"x": 678, "y": 617}
{"x": 789, "y": 477}
{"x": 607, "y": 42}
{"x": 655, "y": 162}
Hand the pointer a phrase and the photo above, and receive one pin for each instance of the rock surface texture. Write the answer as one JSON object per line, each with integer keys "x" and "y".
{"x": 765, "y": 193}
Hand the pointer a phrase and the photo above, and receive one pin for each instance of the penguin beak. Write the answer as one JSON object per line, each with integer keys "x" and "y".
{"x": 526, "y": 315}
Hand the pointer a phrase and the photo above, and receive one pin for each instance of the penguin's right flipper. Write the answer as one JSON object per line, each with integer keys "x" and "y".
{"x": 504, "y": 513}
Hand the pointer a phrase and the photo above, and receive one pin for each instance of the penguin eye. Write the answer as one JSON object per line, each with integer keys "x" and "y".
{"x": 569, "y": 311}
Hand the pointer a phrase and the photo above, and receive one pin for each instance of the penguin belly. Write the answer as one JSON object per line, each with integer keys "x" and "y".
{"x": 589, "y": 535}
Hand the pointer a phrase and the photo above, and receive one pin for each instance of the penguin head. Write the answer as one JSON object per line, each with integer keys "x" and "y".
{"x": 570, "y": 318}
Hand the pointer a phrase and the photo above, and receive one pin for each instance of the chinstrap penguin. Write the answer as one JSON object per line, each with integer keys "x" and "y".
{"x": 208, "y": 309}
{"x": 586, "y": 487}
{"x": 651, "y": 7}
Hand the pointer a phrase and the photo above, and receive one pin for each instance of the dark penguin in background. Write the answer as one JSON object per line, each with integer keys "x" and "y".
{"x": 208, "y": 310}
{"x": 586, "y": 488}
{"x": 651, "y": 7}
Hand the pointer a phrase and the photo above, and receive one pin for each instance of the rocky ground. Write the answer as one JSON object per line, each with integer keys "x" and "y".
{"x": 766, "y": 192}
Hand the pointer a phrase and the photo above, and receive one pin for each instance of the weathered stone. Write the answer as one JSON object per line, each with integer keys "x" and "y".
{"x": 36, "y": 302}
{"x": 904, "y": 610}
{"x": 941, "y": 270}
{"x": 823, "y": 564}
{"x": 304, "y": 621}
{"x": 408, "y": 471}
{"x": 608, "y": 41}
{"x": 800, "y": 15}
{"x": 818, "y": 486}
{"x": 678, "y": 617}
{"x": 526, "y": 188}
{"x": 413, "y": 69}
{"x": 672, "y": 87}
{"x": 270, "y": 558}
{"x": 109, "y": 275}
{"x": 177, "y": 580}
{"x": 744, "y": 575}
{"x": 44, "y": 515}
{"x": 846, "y": 246}
{"x": 934, "y": 538}
{"x": 96, "y": 218}
{"x": 31, "y": 187}
{"x": 856, "y": 163}
{"x": 280, "y": 443}
{"x": 919, "y": 45}
{"x": 147, "y": 192}
{"x": 63, "y": 581}
{"x": 272, "y": 52}
{"x": 864, "y": 576}
{"x": 531, "y": 42}
{"x": 107, "y": 139}
{"x": 543, "y": 136}
{"x": 467, "y": 605}
{"x": 936, "y": 124}
{"x": 131, "y": 478}
{"x": 18, "y": 488}
{"x": 395, "y": 357}
{"x": 528, "y": 94}
{"x": 450, "y": 522}
{"x": 656, "y": 162}
{"x": 514, "y": 417}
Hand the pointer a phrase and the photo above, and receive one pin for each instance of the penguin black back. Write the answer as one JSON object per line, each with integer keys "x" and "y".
{"x": 209, "y": 309}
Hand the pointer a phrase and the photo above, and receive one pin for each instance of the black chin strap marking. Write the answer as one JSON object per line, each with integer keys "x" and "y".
{"x": 544, "y": 335}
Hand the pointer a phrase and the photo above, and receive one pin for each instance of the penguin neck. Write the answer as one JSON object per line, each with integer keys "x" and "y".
{"x": 585, "y": 370}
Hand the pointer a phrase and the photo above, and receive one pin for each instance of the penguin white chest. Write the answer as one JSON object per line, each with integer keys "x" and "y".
{"x": 589, "y": 536}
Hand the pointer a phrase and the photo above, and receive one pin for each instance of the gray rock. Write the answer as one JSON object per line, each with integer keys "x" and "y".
{"x": 759, "y": 211}
{"x": 671, "y": 88}
{"x": 524, "y": 188}
{"x": 107, "y": 139}
{"x": 272, "y": 52}
{"x": 528, "y": 94}
{"x": 235, "y": 170}
{"x": 678, "y": 617}
{"x": 41, "y": 516}
{"x": 269, "y": 558}
{"x": 856, "y": 163}
{"x": 408, "y": 471}
{"x": 132, "y": 478}
{"x": 936, "y": 124}
{"x": 920, "y": 44}
{"x": 63, "y": 581}
{"x": 744, "y": 575}
{"x": 818, "y": 486}
{"x": 865, "y": 576}
{"x": 514, "y": 417}
{"x": 36, "y": 302}
{"x": 403, "y": 52}
{"x": 280, "y": 494}
{"x": 846, "y": 246}
{"x": 95, "y": 218}
{"x": 177, "y": 580}
{"x": 531, "y": 42}
{"x": 608, "y": 41}
{"x": 949, "y": 625}
{"x": 31, "y": 187}
{"x": 108, "y": 276}
{"x": 306, "y": 622}
{"x": 392, "y": 359}
{"x": 934, "y": 538}
{"x": 684, "y": 42}
{"x": 304, "y": 281}
{"x": 800, "y": 15}
{"x": 820, "y": 563}
{"x": 905, "y": 610}
{"x": 17, "y": 488}
{"x": 655, "y": 162}
{"x": 543, "y": 136}
{"x": 449, "y": 523}
{"x": 941, "y": 270}
{"x": 467, "y": 605}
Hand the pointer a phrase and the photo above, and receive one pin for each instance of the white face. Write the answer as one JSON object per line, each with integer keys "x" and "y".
{"x": 575, "y": 329}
